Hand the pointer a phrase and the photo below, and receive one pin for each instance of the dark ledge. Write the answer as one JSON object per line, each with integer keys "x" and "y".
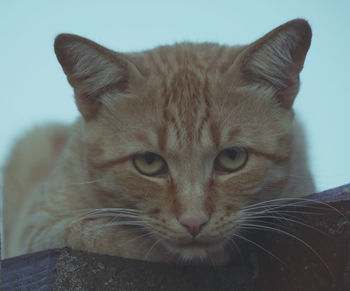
{"x": 317, "y": 258}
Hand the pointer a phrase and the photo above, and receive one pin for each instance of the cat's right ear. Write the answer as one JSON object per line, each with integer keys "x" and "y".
{"x": 275, "y": 60}
{"x": 92, "y": 70}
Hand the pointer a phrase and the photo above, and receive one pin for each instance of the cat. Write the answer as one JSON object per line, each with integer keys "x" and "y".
{"x": 175, "y": 149}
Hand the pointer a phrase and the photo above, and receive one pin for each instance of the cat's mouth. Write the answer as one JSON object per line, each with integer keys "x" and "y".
{"x": 195, "y": 243}
{"x": 193, "y": 249}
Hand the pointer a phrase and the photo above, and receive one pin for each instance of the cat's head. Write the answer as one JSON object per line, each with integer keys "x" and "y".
{"x": 189, "y": 134}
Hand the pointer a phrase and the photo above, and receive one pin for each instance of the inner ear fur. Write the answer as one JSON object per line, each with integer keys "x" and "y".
{"x": 276, "y": 59}
{"x": 91, "y": 69}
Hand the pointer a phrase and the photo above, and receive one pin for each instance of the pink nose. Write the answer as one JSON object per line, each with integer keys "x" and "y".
{"x": 194, "y": 224}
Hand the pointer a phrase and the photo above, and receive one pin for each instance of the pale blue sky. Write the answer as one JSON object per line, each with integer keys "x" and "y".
{"x": 34, "y": 89}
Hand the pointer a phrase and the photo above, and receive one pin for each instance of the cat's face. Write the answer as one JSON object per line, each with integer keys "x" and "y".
{"x": 189, "y": 167}
{"x": 189, "y": 134}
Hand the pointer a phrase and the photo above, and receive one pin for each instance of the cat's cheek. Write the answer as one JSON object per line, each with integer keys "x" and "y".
{"x": 242, "y": 185}
{"x": 276, "y": 180}
{"x": 132, "y": 185}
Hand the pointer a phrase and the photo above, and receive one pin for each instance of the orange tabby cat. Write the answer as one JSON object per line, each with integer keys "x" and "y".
{"x": 174, "y": 149}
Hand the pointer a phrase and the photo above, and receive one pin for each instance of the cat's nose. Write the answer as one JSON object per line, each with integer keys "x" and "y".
{"x": 194, "y": 224}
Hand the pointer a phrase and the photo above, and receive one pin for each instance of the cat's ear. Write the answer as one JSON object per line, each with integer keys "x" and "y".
{"x": 276, "y": 59}
{"x": 92, "y": 70}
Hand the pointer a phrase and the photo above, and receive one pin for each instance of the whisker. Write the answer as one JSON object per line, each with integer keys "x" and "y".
{"x": 281, "y": 219}
{"x": 260, "y": 247}
{"x": 94, "y": 215}
{"x": 298, "y": 203}
{"x": 122, "y": 223}
{"x": 279, "y": 202}
{"x": 103, "y": 210}
{"x": 147, "y": 234}
{"x": 152, "y": 247}
{"x": 290, "y": 211}
{"x": 113, "y": 224}
{"x": 263, "y": 227}
{"x": 278, "y": 211}
{"x": 284, "y": 205}
{"x": 108, "y": 214}
{"x": 111, "y": 209}
{"x": 236, "y": 247}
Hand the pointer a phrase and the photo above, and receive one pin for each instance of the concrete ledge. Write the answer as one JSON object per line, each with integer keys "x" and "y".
{"x": 317, "y": 258}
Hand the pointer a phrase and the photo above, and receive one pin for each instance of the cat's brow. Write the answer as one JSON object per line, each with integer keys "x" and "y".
{"x": 111, "y": 163}
{"x": 269, "y": 156}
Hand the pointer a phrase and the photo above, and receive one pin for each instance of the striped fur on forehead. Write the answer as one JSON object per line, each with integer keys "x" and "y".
{"x": 205, "y": 57}
{"x": 188, "y": 97}
{"x": 186, "y": 103}
{"x": 182, "y": 80}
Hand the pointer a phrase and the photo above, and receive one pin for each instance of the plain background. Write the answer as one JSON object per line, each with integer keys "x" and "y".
{"x": 34, "y": 89}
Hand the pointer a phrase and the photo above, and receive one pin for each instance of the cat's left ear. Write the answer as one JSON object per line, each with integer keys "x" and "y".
{"x": 275, "y": 60}
{"x": 92, "y": 70}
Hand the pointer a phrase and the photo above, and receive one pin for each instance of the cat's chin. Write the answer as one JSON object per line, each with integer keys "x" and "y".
{"x": 199, "y": 252}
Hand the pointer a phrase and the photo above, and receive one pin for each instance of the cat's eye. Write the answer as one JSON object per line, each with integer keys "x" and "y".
{"x": 231, "y": 159}
{"x": 149, "y": 164}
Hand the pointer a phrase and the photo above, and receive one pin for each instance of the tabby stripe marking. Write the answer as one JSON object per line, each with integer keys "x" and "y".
{"x": 215, "y": 134}
{"x": 162, "y": 138}
{"x": 207, "y": 108}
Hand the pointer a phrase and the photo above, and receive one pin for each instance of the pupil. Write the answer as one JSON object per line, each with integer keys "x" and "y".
{"x": 232, "y": 154}
{"x": 149, "y": 158}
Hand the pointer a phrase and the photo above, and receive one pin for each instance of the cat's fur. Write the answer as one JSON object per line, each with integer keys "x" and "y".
{"x": 77, "y": 186}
